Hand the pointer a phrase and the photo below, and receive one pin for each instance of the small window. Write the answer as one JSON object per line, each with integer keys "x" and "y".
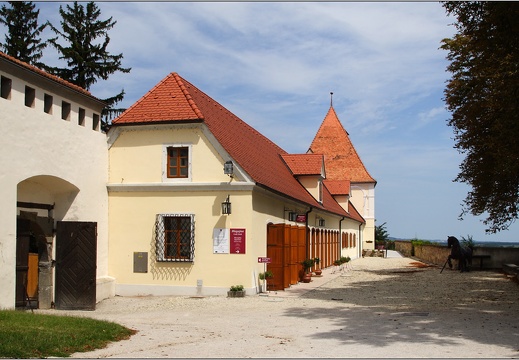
{"x": 65, "y": 110}
{"x": 95, "y": 122}
{"x": 6, "y": 85}
{"x": 47, "y": 103}
{"x": 81, "y": 117}
{"x": 178, "y": 162}
{"x": 30, "y": 96}
{"x": 175, "y": 237}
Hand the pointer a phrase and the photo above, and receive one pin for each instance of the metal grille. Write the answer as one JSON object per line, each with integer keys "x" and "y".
{"x": 175, "y": 237}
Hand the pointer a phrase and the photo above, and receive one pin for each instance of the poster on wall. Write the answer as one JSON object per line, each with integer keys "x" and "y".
{"x": 237, "y": 238}
{"x": 220, "y": 241}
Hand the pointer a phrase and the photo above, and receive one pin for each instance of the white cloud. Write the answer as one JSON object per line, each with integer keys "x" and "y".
{"x": 274, "y": 64}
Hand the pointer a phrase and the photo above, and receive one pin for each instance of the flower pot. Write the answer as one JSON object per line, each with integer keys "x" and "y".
{"x": 235, "y": 293}
{"x": 318, "y": 272}
{"x": 307, "y": 277}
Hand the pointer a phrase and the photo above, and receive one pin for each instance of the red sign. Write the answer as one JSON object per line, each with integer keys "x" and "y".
{"x": 301, "y": 218}
{"x": 237, "y": 241}
{"x": 264, "y": 260}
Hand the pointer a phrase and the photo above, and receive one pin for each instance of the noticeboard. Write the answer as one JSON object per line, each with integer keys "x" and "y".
{"x": 237, "y": 241}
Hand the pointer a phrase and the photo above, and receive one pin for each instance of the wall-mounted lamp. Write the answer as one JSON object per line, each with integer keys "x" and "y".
{"x": 228, "y": 168}
{"x": 226, "y": 206}
{"x": 292, "y": 216}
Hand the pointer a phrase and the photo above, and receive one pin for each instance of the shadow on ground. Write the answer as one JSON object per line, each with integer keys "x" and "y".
{"x": 417, "y": 306}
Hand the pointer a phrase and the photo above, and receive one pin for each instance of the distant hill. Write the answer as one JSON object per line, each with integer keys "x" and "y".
{"x": 478, "y": 243}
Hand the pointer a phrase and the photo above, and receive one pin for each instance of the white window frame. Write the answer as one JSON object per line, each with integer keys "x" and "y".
{"x": 165, "y": 147}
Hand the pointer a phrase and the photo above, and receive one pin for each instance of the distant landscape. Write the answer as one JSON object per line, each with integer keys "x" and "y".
{"x": 478, "y": 243}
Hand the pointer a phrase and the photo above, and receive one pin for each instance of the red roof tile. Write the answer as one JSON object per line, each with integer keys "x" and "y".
{"x": 341, "y": 159}
{"x": 175, "y": 99}
{"x": 167, "y": 101}
{"x": 338, "y": 187}
{"x": 304, "y": 164}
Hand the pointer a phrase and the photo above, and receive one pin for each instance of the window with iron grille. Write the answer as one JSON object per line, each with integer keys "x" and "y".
{"x": 175, "y": 237}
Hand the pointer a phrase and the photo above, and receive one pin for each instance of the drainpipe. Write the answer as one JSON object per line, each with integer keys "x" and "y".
{"x": 307, "y": 235}
{"x": 340, "y": 236}
{"x": 360, "y": 242}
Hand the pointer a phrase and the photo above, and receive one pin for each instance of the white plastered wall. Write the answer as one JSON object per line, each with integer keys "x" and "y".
{"x": 46, "y": 159}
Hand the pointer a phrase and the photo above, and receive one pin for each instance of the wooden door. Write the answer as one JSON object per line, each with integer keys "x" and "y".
{"x": 76, "y": 253}
{"x": 275, "y": 251}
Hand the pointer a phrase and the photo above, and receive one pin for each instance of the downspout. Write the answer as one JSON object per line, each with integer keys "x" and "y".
{"x": 307, "y": 246}
{"x": 340, "y": 236}
{"x": 360, "y": 242}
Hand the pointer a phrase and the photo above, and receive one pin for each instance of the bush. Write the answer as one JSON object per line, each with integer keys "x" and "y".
{"x": 236, "y": 288}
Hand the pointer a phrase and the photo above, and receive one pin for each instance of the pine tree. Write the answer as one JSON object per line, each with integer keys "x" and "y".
{"x": 85, "y": 51}
{"x": 22, "y": 38}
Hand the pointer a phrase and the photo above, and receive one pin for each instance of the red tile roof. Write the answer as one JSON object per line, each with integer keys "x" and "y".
{"x": 341, "y": 159}
{"x": 175, "y": 100}
{"x": 338, "y": 187}
{"x": 46, "y": 75}
{"x": 304, "y": 164}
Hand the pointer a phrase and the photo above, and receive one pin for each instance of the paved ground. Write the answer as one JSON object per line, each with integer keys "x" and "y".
{"x": 374, "y": 308}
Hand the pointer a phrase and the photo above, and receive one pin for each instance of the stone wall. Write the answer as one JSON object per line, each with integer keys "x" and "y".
{"x": 434, "y": 254}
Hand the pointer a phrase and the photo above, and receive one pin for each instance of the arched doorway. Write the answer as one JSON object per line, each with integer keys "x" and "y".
{"x": 41, "y": 200}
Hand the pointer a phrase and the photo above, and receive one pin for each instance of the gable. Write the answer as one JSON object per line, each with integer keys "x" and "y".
{"x": 176, "y": 100}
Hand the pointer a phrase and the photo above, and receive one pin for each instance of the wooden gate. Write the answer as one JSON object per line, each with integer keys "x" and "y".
{"x": 286, "y": 246}
{"x": 76, "y": 253}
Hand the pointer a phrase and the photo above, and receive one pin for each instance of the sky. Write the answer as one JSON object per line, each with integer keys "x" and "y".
{"x": 274, "y": 64}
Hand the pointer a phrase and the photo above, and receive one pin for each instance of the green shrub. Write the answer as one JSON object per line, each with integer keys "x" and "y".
{"x": 236, "y": 288}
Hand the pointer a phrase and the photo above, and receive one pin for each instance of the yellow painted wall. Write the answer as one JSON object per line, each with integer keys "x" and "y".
{"x": 138, "y": 192}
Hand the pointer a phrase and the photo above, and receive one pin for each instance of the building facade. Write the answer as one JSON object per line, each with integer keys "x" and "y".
{"x": 179, "y": 197}
{"x": 54, "y": 160}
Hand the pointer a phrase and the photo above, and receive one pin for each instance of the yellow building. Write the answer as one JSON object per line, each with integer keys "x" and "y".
{"x": 198, "y": 200}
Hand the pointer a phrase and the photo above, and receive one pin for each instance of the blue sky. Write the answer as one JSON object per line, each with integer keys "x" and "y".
{"x": 275, "y": 64}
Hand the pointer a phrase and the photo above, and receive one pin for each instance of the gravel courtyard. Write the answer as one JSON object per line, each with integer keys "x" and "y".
{"x": 374, "y": 308}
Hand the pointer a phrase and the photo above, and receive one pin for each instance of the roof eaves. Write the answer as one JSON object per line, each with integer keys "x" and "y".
{"x": 37, "y": 71}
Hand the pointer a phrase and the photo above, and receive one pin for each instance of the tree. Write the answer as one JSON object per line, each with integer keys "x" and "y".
{"x": 22, "y": 38}
{"x": 482, "y": 96}
{"x": 381, "y": 233}
{"x": 85, "y": 51}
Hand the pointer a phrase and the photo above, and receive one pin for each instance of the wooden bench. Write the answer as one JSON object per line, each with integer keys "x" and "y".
{"x": 481, "y": 258}
{"x": 511, "y": 269}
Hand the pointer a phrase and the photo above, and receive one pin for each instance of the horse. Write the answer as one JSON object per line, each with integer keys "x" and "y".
{"x": 460, "y": 253}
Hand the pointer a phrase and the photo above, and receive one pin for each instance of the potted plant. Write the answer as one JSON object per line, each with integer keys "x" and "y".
{"x": 266, "y": 275}
{"x": 236, "y": 291}
{"x": 318, "y": 271}
{"x": 307, "y": 265}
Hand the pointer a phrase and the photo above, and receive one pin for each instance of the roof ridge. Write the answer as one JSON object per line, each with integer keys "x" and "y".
{"x": 188, "y": 96}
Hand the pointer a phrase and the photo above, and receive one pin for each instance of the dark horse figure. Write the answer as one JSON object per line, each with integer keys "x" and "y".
{"x": 460, "y": 253}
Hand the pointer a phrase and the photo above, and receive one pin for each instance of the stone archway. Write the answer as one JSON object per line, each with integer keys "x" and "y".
{"x": 42, "y": 200}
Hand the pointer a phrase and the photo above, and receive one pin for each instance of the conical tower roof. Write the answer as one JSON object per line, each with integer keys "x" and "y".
{"x": 341, "y": 159}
